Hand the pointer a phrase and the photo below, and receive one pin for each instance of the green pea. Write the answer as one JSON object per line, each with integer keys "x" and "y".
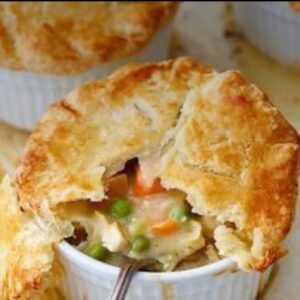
{"x": 120, "y": 208}
{"x": 140, "y": 244}
{"x": 180, "y": 214}
{"x": 96, "y": 250}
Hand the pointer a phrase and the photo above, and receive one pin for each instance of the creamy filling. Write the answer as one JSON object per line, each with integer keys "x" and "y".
{"x": 141, "y": 220}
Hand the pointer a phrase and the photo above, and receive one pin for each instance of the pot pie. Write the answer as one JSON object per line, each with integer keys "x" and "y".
{"x": 157, "y": 161}
{"x": 71, "y": 37}
{"x": 48, "y": 48}
{"x": 295, "y": 5}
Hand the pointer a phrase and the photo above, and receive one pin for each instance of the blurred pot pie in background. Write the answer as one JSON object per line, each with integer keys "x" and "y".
{"x": 156, "y": 161}
{"x": 273, "y": 27}
{"x": 295, "y": 5}
{"x": 48, "y": 48}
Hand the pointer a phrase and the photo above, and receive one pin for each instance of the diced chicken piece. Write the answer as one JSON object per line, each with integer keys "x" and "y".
{"x": 110, "y": 233}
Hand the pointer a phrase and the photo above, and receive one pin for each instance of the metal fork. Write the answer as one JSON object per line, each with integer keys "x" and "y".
{"x": 131, "y": 267}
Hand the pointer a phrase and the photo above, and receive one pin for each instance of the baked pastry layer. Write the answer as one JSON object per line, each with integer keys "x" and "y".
{"x": 215, "y": 137}
{"x": 26, "y": 256}
{"x": 72, "y": 37}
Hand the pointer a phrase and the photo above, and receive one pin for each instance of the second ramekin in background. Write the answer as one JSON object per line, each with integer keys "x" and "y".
{"x": 86, "y": 278}
{"x": 26, "y": 94}
{"x": 274, "y": 27}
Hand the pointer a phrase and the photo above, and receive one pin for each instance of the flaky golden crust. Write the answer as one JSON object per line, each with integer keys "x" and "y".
{"x": 16, "y": 280}
{"x": 110, "y": 121}
{"x": 244, "y": 156}
{"x": 26, "y": 254}
{"x": 71, "y": 37}
{"x": 219, "y": 139}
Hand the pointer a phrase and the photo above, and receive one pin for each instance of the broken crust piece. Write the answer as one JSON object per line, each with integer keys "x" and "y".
{"x": 29, "y": 263}
{"x": 12, "y": 142}
{"x": 217, "y": 137}
{"x": 26, "y": 253}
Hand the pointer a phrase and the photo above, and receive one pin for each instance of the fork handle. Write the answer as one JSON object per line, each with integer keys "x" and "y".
{"x": 121, "y": 286}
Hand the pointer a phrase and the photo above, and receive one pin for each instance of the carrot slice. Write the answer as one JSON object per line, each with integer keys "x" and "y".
{"x": 117, "y": 186}
{"x": 165, "y": 228}
{"x": 140, "y": 189}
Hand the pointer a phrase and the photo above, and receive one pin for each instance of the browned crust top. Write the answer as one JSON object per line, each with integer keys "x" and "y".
{"x": 220, "y": 140}
{"x": 72, "y": 37}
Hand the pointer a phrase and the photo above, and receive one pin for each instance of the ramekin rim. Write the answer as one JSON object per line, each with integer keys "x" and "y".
{"x": 79, "y": 258}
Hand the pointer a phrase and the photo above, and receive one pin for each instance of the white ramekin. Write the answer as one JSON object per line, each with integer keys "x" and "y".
{"x": 88, "y": 279}
{"x": 274, "y": 27}
{"x": 24, "y": 96}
